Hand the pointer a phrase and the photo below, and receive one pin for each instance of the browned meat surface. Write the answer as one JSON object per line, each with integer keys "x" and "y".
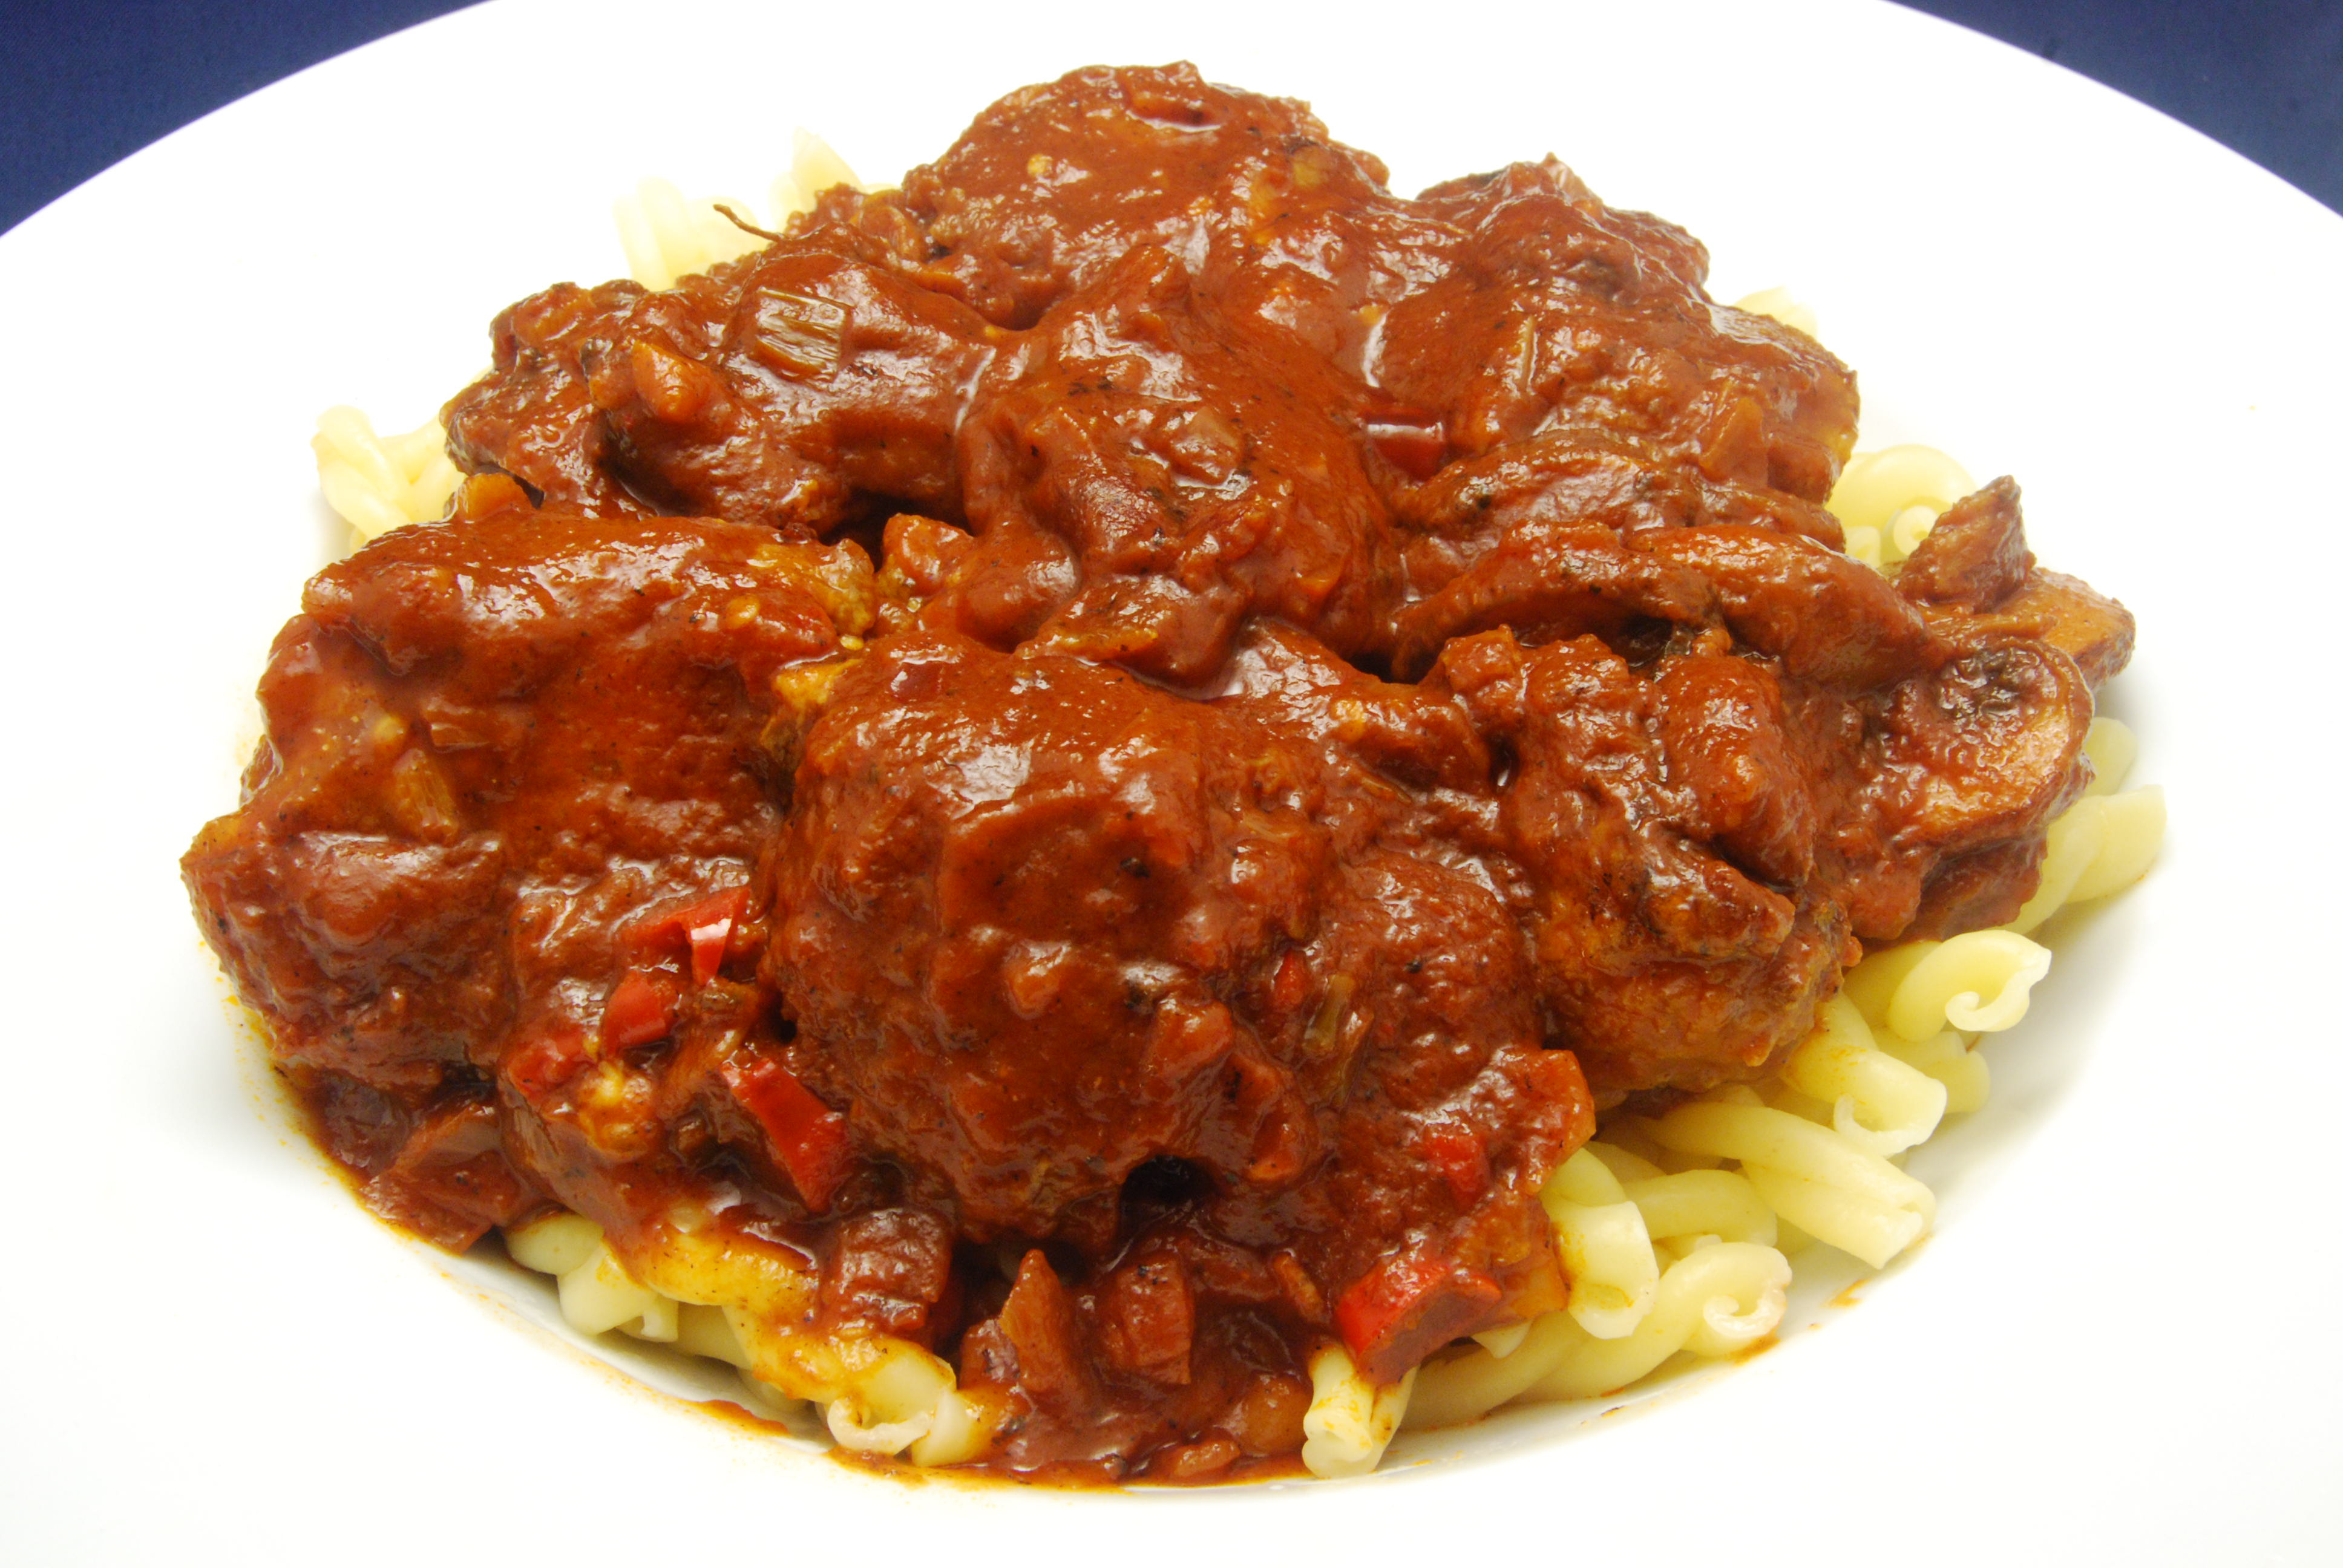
{"x": 1053, "y": 185}
{"x": 500, "y": 748}
{"x": 1348, "y": 685}
{"x": 806, "y": 381}
{"x": 1975, "y": 555}
{"x": 1556, "y": 313}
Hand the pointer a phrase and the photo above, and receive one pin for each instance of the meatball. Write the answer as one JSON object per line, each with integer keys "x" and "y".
{"x": 1041, "y": 925}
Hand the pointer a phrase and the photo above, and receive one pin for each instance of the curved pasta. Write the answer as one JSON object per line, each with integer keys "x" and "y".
{"x": 2104, "y": 842}
{"x": 2132, "y": 827}
{"x": 847, "y": 1421}
{"x": 597, "y": 1292}
{"x": 814, "y": 167}
{"x": 1855, "y": 1221}
{"x": 1463, "y": 1386}
{"x": 1907, "y": 529}
{"x": 1623, "y": 1162}
{"x": 1713, "y": 1302}
{"x": 878, "y": 1395}
{"x": 667, "y": 236}
{"x": 1695, "y": 1210}
{"x": 1502, "y": 1341}
{"x": 1871, "y": 984}
{"x": 960, "y": 1429}
{"x": 1809, "y": 1175}
{"x": 892, "y": 1407}
{"x": 1350, "y": 1421}
{"x": 1687, "y": 1208}
{"x": 1949, "y": 1057}
{"x": 1977, "y": 981}
{"x": 1606, "y": 1250}
{"x": 553, "y": 1243}
{"x": 2112, "y": 748}
{"x": 601, "y": 1296}
{"x": 707, "y": 1332}
{"x": 1863, "y": 543}
{"x": 1876, "y": 1101}
{"x": 377, "y": 483}
{"x": 1894, "y": 495}
{"x": 2100, "y": 845}
{"x": 1782, "y": 305}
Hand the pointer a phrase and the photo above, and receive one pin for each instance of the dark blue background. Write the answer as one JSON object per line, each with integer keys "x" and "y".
{"x": 86, "y": 82}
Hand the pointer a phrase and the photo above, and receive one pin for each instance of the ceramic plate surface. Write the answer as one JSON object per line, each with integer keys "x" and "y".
{"x": 2118, "y": 1345}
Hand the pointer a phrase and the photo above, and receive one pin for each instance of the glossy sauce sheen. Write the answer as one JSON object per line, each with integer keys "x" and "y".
{"x": 1122, "y": 746}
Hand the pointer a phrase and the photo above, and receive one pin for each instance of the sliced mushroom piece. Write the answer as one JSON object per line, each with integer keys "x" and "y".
{"x": 2072, "y": 616}
{"x": 1988, "y": 745}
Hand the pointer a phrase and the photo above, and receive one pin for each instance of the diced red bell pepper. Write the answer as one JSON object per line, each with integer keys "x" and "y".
{"x": 539, "y": 1066}
{"x": 1412, "y": 440}
{"x": 1408, "y": 1306}
{"x": 807, "y": 1136}
{"x": 1461, "y": 1158}
{"x": 642, "y": 1010}
{"x": 705, "y": 927}
{"x": 709, "y": 936}
{"x": 1413, "y": 449}
{"x": 1291, "y": 985}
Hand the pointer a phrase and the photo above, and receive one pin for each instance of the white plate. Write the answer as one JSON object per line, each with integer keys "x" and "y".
{"x": 2120, "y": 1344}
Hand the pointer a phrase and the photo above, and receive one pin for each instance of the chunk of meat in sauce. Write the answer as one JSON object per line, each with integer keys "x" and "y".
{"x": 1660, "y": 963}
{"x": 1198, "y": 485}
{"x": 1040, "y": 925}
{"x": 784, "y": 389}
{"x": 500, "y": 750}
{"x": 1555, "y": 312}
{"x": 1049, "y": 188}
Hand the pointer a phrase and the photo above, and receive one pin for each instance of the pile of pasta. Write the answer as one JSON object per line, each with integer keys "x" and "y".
{"x": 1678, "y": 1232}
